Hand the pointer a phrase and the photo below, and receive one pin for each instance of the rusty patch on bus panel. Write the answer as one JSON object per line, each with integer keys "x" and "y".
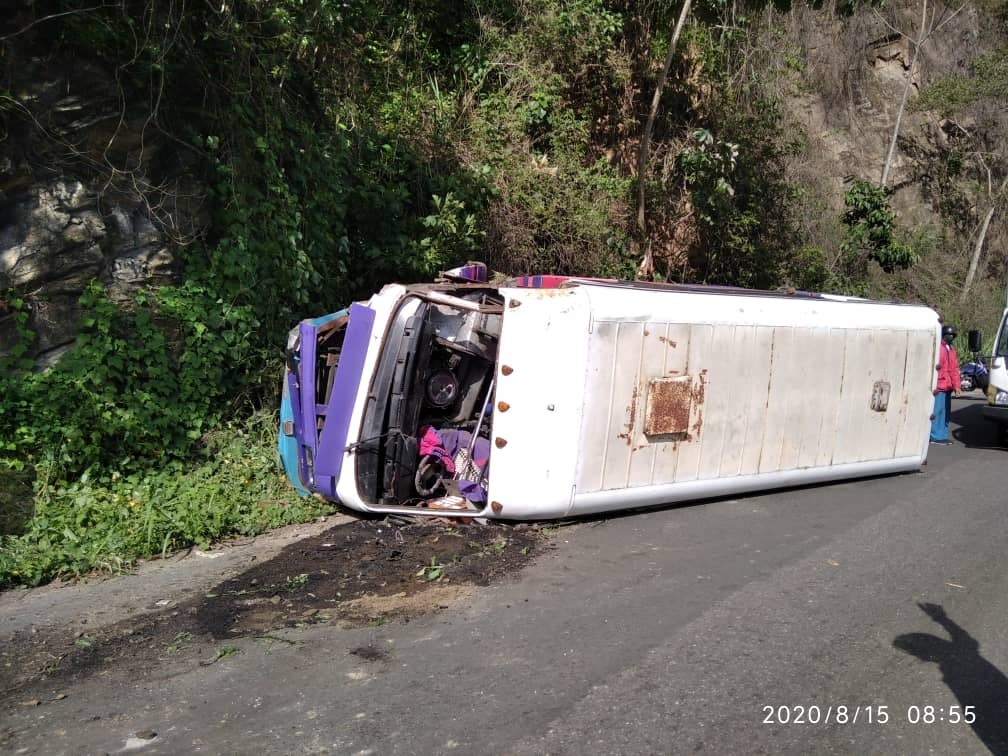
{"x": 632, "y": 422}
{"x": 880, "y": 396}
{"x": 554, "y": 293}
{"x": 699, "y": 393}
{"x": 669, "y": 401}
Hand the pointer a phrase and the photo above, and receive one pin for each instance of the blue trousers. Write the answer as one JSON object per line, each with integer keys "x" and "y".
{"x": 942, "y": 410}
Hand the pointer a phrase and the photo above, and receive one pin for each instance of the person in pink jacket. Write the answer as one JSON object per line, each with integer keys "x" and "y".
{"x": 948, "y": 382}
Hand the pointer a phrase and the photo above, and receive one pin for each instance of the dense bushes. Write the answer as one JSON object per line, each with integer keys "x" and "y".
{"x": 108, "y": 520}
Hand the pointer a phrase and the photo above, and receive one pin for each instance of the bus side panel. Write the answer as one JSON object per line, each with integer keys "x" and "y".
{"x": 867, "y": 446}
{"x": 643, "y": 456}
{"x": 698, "y": 368}
{"x": 916, "y": 401}
{"x": 596, "y": 422}
{"x": 849, "y": 439}
{"x": 675, "y": 352}
{"x": 889, "y": 353}
{"x": 541, "y": 363}
{"x": 815, "y": 410}
{"x": 719, "y": 414}
{"x": 783, "y": 383}
{"x": 829, "y": 385}
{"x": 766, "y": 400}
{"x": 762, "y": 402}
{"x": 871, "y": 357}
{"x": 755, "y": 393}
{"x": 620, "y": 401}
{"x": 739, "y": 356}
{"x": 623, "y": 359}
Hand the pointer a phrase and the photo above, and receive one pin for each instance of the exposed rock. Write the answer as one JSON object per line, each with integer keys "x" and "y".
{"x": 52, "y": 240}
{"x": 850, "y": 115}
{"x": 85, "y": 195}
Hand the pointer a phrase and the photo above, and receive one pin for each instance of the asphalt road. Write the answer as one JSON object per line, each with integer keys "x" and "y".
{"x": 873, "y": 610}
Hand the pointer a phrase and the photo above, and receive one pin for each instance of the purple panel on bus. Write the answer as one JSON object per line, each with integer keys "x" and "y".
{"x": 349, "y": 374}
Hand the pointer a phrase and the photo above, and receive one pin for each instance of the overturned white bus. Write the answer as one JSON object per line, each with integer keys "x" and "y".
{"x": 549, "y": 397}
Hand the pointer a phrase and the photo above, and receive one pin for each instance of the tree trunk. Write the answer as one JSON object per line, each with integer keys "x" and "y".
{"x": 927, "y": 28}
{"x": 645, "y": 145}
{"x": 921, "y": 37}
{"x": 981, "y": 238}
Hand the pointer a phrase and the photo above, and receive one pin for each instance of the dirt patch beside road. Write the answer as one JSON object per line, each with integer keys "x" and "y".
{"x": 357, "y": 573}
{"x": 324, "y": 578}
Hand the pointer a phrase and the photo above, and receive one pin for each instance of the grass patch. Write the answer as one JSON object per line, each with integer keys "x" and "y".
{"x": 108, "y": 523}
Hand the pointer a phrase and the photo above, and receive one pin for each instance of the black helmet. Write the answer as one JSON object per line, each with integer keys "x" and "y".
{"x": 949, "y": 330}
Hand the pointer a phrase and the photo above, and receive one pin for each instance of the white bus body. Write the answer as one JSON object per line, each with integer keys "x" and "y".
{"x": 596, "y": 396}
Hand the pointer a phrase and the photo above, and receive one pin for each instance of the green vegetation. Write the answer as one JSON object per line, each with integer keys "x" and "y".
{"x": 108, "y": 521}
{"x": 870, "y": 230}
{"x": 223, "y": 652}
{"x": 346, "y": 143}
{"x": 987, "y": 79}
{"x": 432, "y": 572}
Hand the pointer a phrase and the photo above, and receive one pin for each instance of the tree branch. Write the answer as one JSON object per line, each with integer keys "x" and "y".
{"x": 981, "y": 238}
{"x": 645, "y": 146}
{"x": 51, "y": 16}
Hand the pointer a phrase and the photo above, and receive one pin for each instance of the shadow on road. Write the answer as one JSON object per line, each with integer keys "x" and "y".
{"x": 973, "y": 431}
{"x": 974, "y": 680}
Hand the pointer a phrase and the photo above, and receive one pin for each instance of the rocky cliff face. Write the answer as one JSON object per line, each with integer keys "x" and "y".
{"x": 847, "y": 93}
{"x": 856, "y": 74}
{"x": 89, "y": 189}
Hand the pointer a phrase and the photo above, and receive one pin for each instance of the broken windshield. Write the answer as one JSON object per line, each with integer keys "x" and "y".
{"x": 425, "y": 430}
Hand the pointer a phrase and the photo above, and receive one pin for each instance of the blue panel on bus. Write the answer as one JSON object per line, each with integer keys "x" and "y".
{"x": 287, "y": 446}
